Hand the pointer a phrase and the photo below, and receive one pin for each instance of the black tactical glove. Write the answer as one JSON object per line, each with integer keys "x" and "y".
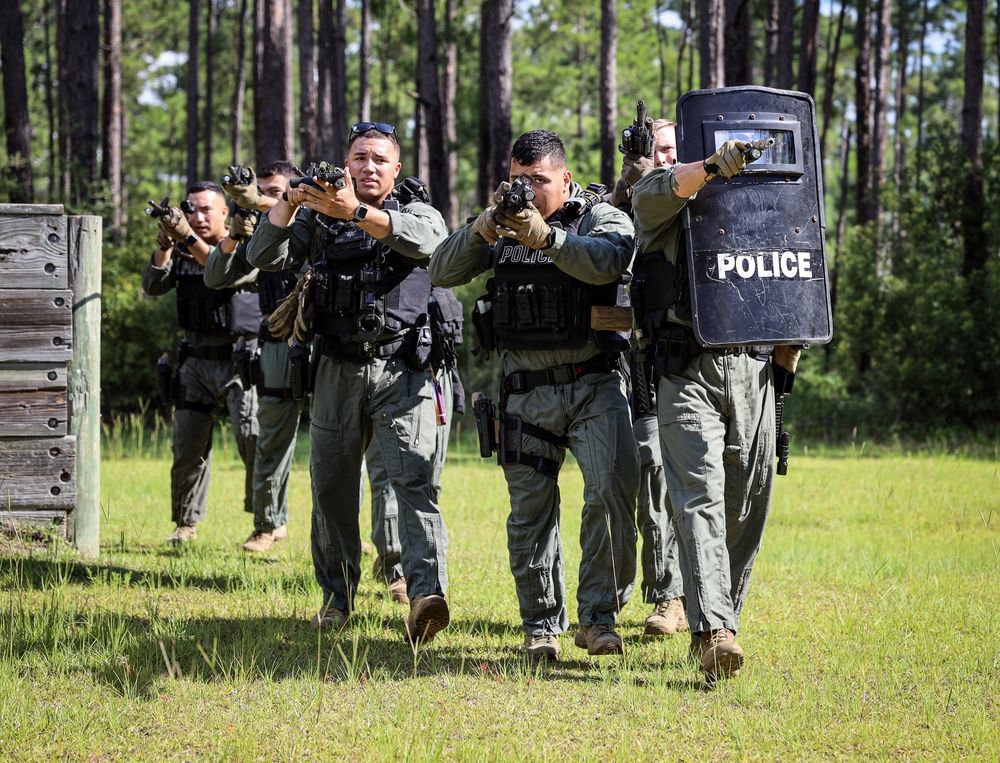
{"x": 728, "y": 161}
{"x": 245, "y": 196}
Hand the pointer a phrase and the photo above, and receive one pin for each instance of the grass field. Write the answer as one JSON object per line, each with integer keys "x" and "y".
{"x": 870, "y": 634}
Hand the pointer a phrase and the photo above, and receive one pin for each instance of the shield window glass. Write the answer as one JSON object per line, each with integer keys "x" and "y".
{"x": 782, "y": 152}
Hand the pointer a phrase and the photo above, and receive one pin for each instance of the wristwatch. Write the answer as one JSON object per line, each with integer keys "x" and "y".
{"x": 189, "y": 241}
{"x": 361, "y": 212}
{"x": 550, "y": 239}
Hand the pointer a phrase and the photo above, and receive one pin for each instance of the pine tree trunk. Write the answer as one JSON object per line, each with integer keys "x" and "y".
{"x": 608, "y": 93}
{"x": 274, "y": 107}
{"x": 78, "y": 82}
{"x": 494, "y": 96}
{"x": 808, "y": 45}
{"x": 208, "y": 120}
{"x": 17, "y": 125}
{"x": 339, "y": 84}
{"x": 711, "y": 43}
{"x": 976, "y": 250}
{"x": 450, "y": 121}
{"x": 307, "y": 81}
{"x": 324, "y": 94}
{"x": 365, "y": 64}
{"x": 429, "y": 103}
{"x": 194, "y": 22}
{"x": 241, "y": 83}
{"x": 830, "y": 76}
{"x": 783, "y": 76}
{"x": 738, "y": 43}
{"x": 111, "y": 166}
{"x": 864, "y": 111}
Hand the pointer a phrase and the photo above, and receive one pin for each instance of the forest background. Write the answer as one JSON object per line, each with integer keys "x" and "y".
{"x": 110, "y": 103}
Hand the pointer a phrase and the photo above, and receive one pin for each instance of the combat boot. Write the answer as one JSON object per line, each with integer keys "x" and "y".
{"x": 543, "y": 646}
{"x": 260, "y": 541}
{"x": 667, "y": 619}
{"x": 397, "y": 591}
{"x": 721, "y": 656}
{"x": 182, "y": 534}
{"x": 329, "y": 618}
{"x": 428, "y": 615}
{"x": 599, "y": 639}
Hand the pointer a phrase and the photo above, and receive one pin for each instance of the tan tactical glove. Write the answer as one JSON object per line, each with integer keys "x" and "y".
{"x": 622, "y": 194}
{"x": 245, "y": 196}
{"x": 241, "y": 226}
{"x": 527, "y": 226}
{"x": 175, "y": 225}
{"x": 163, "y": 241}
{"x": 293, "y": 316}
{"x": 485, "y": 224}
{"x": 728, "y": 161}
{"x": 635, "y": 167}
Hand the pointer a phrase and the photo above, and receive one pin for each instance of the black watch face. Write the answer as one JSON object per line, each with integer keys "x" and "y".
{"x": 361, "y": 212}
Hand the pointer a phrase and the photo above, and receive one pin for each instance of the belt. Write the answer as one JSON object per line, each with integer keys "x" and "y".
{"x": 520, "y": 382}
{"x": 333, "y": 348}
{"x": 222, "y": 352}
{"x": 756, "y": 351}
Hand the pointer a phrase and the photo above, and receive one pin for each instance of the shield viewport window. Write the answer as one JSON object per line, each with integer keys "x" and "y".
{"x": 782, "y": 152}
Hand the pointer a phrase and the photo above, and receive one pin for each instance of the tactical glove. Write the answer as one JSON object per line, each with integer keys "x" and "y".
{"x": 241, "y": 226}
{"x": 622, "y": 194}
{"x": 175, "y": 225}
{"x": 635, "y": 167}
{"x": 245, "y": 196}
{"x": 484, "y": 227}
{"x": 527, "y": 226}
{"x": 728, "y": 161}
{"x": 163, "y": 241}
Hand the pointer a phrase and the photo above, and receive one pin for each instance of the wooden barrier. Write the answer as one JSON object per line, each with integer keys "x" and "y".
{"x": 50, "y": 342}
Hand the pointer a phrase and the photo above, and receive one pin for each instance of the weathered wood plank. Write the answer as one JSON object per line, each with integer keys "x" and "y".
{"x": 33, "y": 414}
{"x": 36, "y": 526}
{"x": 31, "y": 209}
{"x": 36, "y": 327}
{"x": 32, "y": 377}
{"x": 38, "y": 473}
{"x": 33, "y": 252}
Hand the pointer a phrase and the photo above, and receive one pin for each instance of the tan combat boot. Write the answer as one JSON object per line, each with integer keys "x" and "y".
{"x": 182, "y": 534}
{"x": 721, "y": 656}
{"x": 428, "y": 615}
{"x": 599, "y": 639}
{"x": 542, "y": 646}
{"x": 667, "y": 619}
{"x": 329, "y": 618}
{"x": 397, "y": 591}
{"x": 260, "y": 541}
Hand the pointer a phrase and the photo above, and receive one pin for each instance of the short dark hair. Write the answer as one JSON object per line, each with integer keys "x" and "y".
{"x": 206, "y": 185}
{"x": 280, "y": 167}
{"x": 373, "y": 133}
{"x": 536, "y": 145}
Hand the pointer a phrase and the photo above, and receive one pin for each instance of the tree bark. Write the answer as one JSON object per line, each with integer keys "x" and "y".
{"x": 771, "y": 43}
{"x": 17, "y": 125}
{"x": 324, "y": 94}
{"x": 711, "y": 43}
{"x": 864, "y": 110}
{"x": 450, "y": 120}
{"x": 809, "y": 41}
{"x": 339, "y": 84}
{"x": 274, "y": 106}
{"x": 920, "y": 92}
{"x": 429, "y": 100}
{"x": 494, "y": 96}
{"x": 880, "y": 126}
{"x": 902, "y": 59}
{"x": 208, "y": 119}
{"x": 78, "y": 81}
{"x": 738, "y": 43}
{"x": 608, "y": 98}
{"x": 975, "y": 250}
{"x": 194, "y": 22}
{"x": 111, "y": 152}
{"x": 365, "y": 63}
{"x": 783, "y": 76}
{"x": 830, "y": 75}
{"x": 241, "y": 83}
{"x": 307, "y": 81}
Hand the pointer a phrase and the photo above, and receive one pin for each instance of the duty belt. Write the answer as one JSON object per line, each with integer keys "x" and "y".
{"x": 222, "y": 352}
{"x": 332, "y": 348}
{"x": 520, "y": 382}
{"x": 758, "y": 352}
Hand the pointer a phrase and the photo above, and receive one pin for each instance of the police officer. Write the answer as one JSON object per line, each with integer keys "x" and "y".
{"x": 278, "y": 412}
{"x": 207, "y": 381}
{"x": 716, "y": 418}
{"x": 556, "y": 265}
{"x": 662, "y": 582}
{"x": 446, "y": 319}
{"x": 372, "y": 378}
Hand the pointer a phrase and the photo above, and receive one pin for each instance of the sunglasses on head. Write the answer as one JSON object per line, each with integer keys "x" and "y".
{"x": 382, "y": 127}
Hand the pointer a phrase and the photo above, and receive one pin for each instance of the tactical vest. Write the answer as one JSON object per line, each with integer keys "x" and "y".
{"x": 537, "y": 306}
{"x": 204, "y": 310}
{"x": 365, "y": 291}
{"x": 274, "y": 286}
{"x": 657, "y": 286}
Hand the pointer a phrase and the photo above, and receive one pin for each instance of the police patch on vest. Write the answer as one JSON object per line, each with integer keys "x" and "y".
{"x": 519, "y": 254}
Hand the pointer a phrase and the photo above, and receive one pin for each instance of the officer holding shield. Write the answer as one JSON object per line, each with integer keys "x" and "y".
{"x": 716, "y": 418}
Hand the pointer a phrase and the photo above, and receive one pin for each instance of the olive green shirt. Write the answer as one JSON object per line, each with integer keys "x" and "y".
{"x": 600, "y": 252}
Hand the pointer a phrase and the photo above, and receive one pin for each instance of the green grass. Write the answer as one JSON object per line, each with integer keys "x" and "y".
{"x": 870, "y": 634}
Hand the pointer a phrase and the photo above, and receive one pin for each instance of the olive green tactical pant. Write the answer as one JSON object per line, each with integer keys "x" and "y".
{"x": 661, "y": 572}
{"x": 716, "y": 424}
{"x": 385, "y": 509}
{"x": 354, "y": 403}
{"x": 213, "y": 383}
{"x": 278, "y": 424}
{"x": 593, "y": 414}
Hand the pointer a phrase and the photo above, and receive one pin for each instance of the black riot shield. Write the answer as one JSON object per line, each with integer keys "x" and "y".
{"x": 756, "y": 247}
